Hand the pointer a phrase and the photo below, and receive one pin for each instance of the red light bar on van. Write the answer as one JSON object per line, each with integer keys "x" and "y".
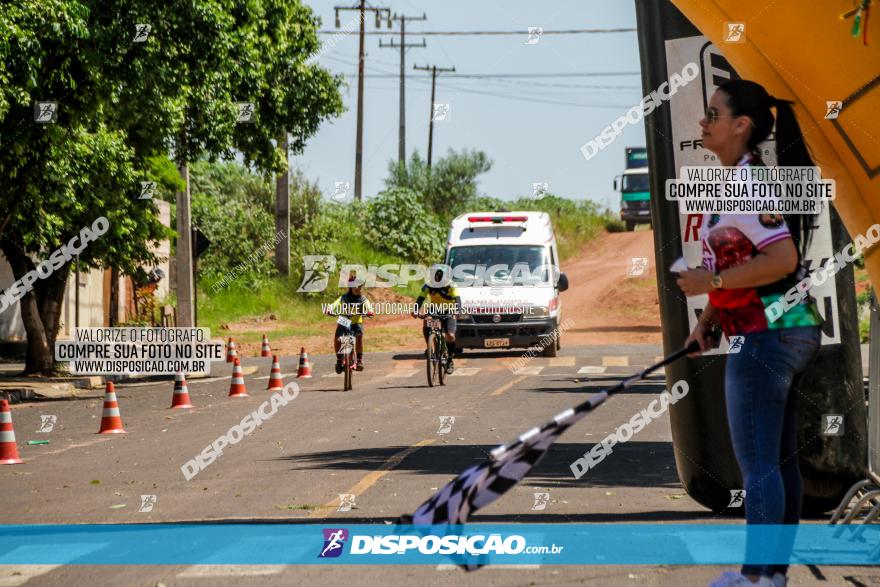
{"x": 497, "y": 219}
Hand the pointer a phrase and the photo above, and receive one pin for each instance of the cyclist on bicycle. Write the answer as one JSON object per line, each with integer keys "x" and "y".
{"x": 354, "y": 305}
{"x": 441, "y": 291}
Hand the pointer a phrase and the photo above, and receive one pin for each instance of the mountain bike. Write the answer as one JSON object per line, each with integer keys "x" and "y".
{"x": 437, "y": 354}
{"x": 346, "y": 353}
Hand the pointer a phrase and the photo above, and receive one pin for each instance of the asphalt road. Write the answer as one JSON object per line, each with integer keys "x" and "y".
{"x": 382, "y": 443}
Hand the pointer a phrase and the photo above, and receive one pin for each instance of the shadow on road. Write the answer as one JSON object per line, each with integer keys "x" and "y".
{"x": 637, "y": 388}
{"x": 644, "y": 329}
{"x": 691, "y": 516}
{"x": 634, "y": 464}
{"x": 468, "y": 354}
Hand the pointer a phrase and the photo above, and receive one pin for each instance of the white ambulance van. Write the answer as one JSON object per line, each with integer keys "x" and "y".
{"x": 505, "y": 266}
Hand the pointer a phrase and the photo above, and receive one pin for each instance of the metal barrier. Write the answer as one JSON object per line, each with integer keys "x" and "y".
{"x": 865, "y": 495}
{"x": 874, "y": 393}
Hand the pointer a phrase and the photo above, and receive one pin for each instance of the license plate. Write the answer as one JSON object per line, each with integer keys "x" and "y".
{"x": 491, "y": 343}
{"x": 343, "y": 321}
{"x": 644, "y": 212}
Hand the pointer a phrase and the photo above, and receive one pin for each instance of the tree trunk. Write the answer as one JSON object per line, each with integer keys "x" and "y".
{"x": 40, "y": 358}
{"x": 114, "y": 297}
{"x": 51, "y": 300}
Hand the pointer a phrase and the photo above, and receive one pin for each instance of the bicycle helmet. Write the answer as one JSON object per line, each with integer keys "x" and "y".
{"x": 439, "y": 275}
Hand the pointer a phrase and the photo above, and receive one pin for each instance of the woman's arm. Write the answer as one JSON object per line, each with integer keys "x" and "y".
{"x": 772, "y": 263}
{"x": 709, "y": 317}
{"x": 708, "y": 320}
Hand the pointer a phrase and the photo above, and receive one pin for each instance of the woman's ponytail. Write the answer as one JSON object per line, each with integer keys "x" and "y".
{"x": 747, "y": 98}
{"x": 791, "y": 149}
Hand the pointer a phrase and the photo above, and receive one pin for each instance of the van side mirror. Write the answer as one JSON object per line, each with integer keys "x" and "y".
{"x": 615, "y": 182}
{"x": 562, "y": 282}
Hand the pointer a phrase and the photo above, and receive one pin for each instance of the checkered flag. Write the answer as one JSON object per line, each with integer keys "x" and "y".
{"x": 482, "y": 484}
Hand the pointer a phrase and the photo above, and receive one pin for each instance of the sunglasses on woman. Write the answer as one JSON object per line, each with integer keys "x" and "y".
{"x": 712, "y": 116}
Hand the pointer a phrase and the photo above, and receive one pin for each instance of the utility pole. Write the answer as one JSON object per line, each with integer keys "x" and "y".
{"x": 433, "y": 69}
{"x": 282, "y": 212}
{"x": 361, "y": 7}
{"x": 185, "y": 317}
{"x": 401, "y": 140}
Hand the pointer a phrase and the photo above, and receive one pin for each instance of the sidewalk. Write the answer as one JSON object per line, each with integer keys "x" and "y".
{"x": 16, "y": 388}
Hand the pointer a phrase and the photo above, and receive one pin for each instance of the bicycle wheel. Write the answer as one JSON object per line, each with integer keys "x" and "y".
{"x": 429, "y": 361}
{"x": 346, "y": 372}
{"x": 442, "y": 357}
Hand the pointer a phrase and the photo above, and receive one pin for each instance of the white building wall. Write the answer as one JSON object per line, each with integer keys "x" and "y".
{"x": 92, "y": 306}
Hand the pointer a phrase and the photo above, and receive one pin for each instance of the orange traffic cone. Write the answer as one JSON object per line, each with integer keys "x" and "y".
{"x": 111, "y": 421}
{"x": 305, "y": 369}
{"x": 275, "y": 380}
{"x": 266, "y": 350}
{"x": 180, "y": 399}
{"x": 231, "y": 354}
{"x": 237, "y": 388}
{"x": 8, "y": 448}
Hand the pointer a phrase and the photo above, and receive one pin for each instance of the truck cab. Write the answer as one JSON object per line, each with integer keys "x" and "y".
{"x": 634, "y": 187}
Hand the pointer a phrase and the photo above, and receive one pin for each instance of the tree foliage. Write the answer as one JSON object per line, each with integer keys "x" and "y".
{"x": 124, "y": 107}
{"x": 400, "y": 224}
{"x": 448, "y": 187}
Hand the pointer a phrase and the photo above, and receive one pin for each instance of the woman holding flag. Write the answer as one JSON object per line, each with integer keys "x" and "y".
{"x": 749, "y": 262}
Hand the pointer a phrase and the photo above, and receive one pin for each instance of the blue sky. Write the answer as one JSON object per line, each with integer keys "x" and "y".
{"x": 532, "y": 128}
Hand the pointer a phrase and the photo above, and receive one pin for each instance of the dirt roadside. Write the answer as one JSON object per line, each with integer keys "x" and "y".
{"x": 607, "y": 305}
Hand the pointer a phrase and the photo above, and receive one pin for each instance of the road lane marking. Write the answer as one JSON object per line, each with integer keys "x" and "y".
{"x": 616, "y": 361}
{"x": 561, "y": 362}
{"x": 465, "y": 371}
{"x": 371, "y": 478}
{"x": 66, "y": 448}
{"x": 591, "y": 369}
{"x": 508, "y": 385}
{"x": 528, "y": 371}
{"x": 399, "y": 374}
{"x": 205, "y": 380}
{"x": 244, "y": 371}
{"x": 213, "y": 571}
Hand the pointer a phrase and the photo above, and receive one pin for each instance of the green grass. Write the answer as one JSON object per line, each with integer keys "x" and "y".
{"x": 307, "y": 507}
{"x": 352, "y": 245}
{"x": 257, "y": 298}
{"x": 575, "y": 223}
{"x": 246, "y": 299}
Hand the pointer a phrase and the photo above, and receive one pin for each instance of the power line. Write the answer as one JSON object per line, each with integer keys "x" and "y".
{"x": 497, "y": 79}
{"x": 543, "y": 74}
{"x": 496, "y": 94}
{"x": 528, "y": 99}
{"x": 519, "y": 97}
{"x": 498, "y": 33}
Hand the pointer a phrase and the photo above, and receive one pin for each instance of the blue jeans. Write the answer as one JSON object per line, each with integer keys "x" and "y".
{"x": 761, "y": 394}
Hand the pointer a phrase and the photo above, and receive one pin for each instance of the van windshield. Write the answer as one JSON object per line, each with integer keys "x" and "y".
{"x": 499, "y": 265}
